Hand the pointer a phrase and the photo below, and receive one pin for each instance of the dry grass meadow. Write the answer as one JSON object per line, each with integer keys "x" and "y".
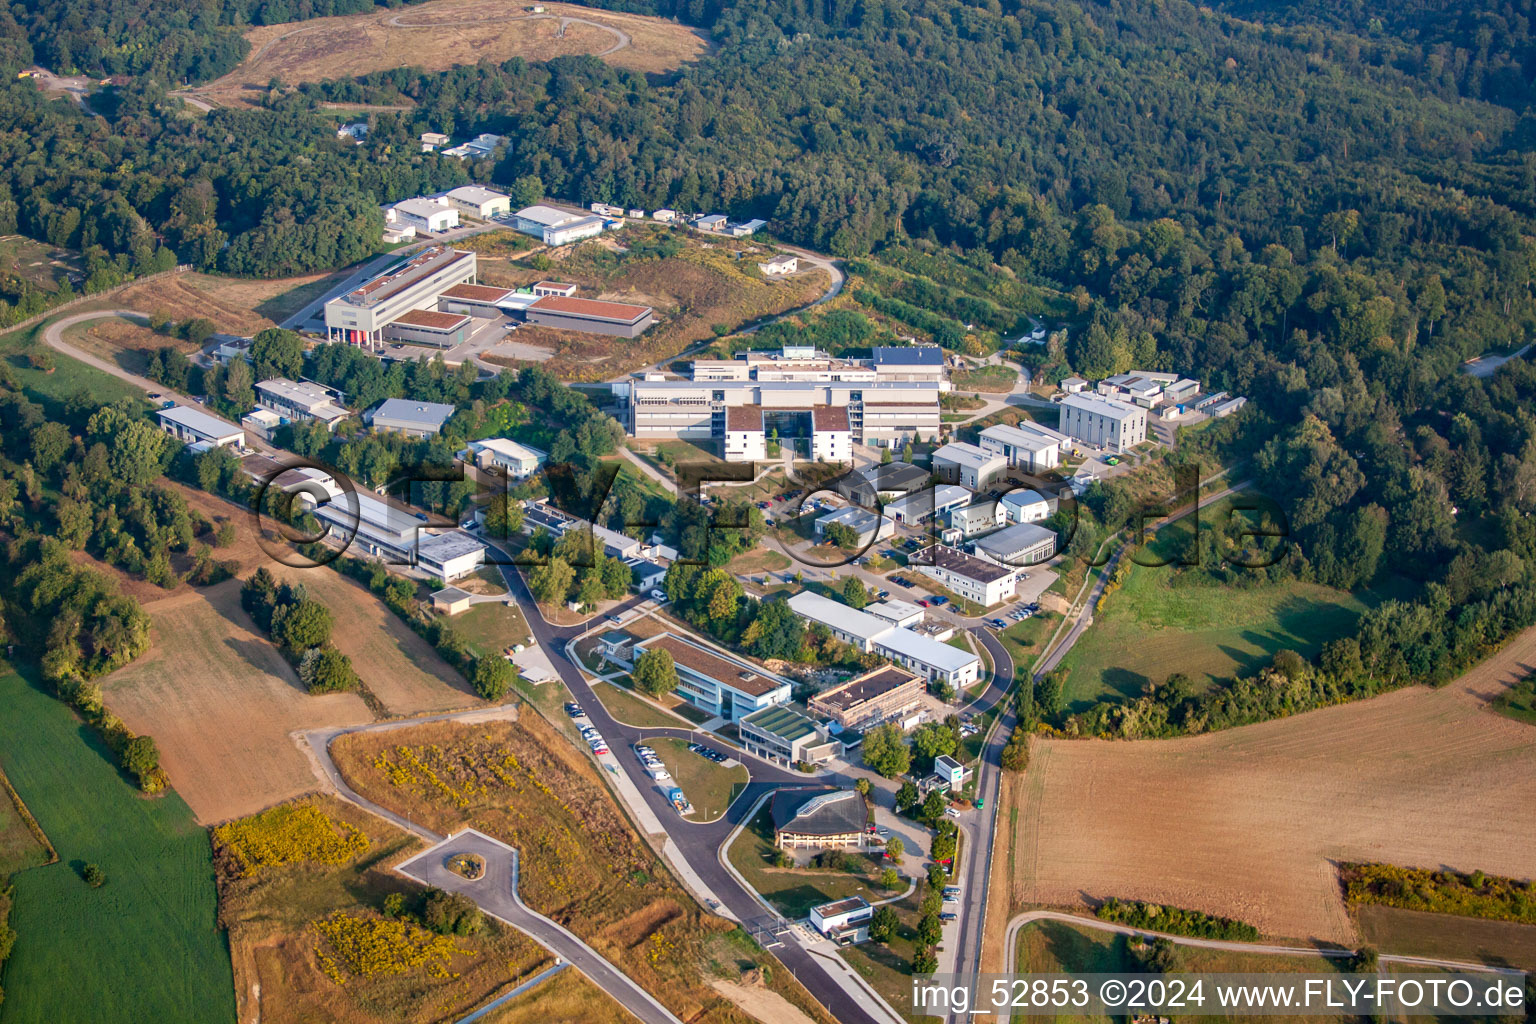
{"x": 441, "y": 34}
{"x": 1250, "y": 822}
{"x": 220, "y": 701}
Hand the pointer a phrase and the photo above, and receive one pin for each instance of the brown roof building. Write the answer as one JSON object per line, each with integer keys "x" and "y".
{"x": 716, "y": 683}
{"x": 620, "y": 319}
{"x": 885, "y": 694}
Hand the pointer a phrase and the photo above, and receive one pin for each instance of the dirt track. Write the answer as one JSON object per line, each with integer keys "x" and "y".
{"x": 1249, "y": 822}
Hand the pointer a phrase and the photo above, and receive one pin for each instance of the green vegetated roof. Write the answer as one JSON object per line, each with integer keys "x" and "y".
{"x": 782, "y": 721}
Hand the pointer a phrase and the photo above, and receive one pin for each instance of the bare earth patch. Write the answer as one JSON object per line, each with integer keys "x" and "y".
{"x": 220, "y": 701}
{"x": 763, "y": 1004}
{"x": 1249, "y": 822}
{"x": 441, "y": 34}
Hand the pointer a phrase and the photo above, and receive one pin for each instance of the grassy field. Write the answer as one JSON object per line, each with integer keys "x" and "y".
{"x": 1024, "y": 640}
{"x": 1054, "y": 947}
{"x": 19, "y": 848}
{"x": 1161, "y": 622}
{"x": 568, "y": 996}
{"x": 986, "y": 378}
{"x": 759, "y": 560}
{"x": 476, "y": 30}
{"x": 275, "y": 947}
{"x": 68, "y": 378}
{"x": 1519, "y": 701}
{"x": 795, "y": 890}
{"x": 710, "y": 787}
{"x": 1447, "y": 936}
{"x": 146, "y": 946}
{"x": 43, "y": 266}
{"x": 627, "y": 706}
{"x": 491, "y": 627}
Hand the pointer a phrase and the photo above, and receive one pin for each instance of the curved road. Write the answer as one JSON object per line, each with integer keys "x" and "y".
{"x": 1029, "y": 916}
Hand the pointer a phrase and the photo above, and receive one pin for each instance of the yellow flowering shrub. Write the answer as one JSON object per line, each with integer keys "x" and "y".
{"x": 291, "y": 834}
{"x": 364, "y": 947}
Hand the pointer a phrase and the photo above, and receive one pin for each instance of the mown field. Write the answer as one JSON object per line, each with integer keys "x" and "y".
{"x": 144, "y": 947}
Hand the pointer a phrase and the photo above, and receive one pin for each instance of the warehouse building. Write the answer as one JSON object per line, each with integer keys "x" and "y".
{"x": 432, "y": 215}
{"x": 882, "y": 483}
{"x": 886, "y": 694}
{"x": 932, "y": 659}
{"x": 1018, "y": 545}
{"x": 299, "y": 401}
{"x": 481, "y": 203}
{"x": 977, "y": 580}
{"x": 869, "y": 527}
{"x": 360, "y": 316}
{"x": 428, "y": 327}
{"x": 193, "y": 426}
{"x": 967, "y": 465}
{"x": 929, "y": 503}
{"x": 978, "y": 518}
{"x": 413, "y": 419}
{"x": 619, "y": 319}
{"x": 556, "y": 227}
{"x": 1103, "y": 423}
{"x": 1025, "y": 447}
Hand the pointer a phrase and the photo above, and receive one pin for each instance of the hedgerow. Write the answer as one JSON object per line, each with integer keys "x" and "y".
{"x": 1441, "y": 892}
{"x": 291, "y": 834}
{"x": 1176, "y": 921}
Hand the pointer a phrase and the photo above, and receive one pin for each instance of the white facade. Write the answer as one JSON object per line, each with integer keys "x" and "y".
{"x": 426, "y": 214}
{"x": 1023, "y": 506}
{"x": 664, "y": 216}
{"x": 449, "y": 556}
{"x": 968, "y": 465}
{"x": 979, "y": 518}
{"x": 1024, "y": 447}
{"x": 927, "y": 657}
{"x": 1103, "y": 423}
{"x": 928, "y": 503}
{"x": 564, "y": 234}
{"x": 360, "y": 316}
{"x": 1019, "y": 545}
{"x": 976, "y": 579}
{"x": 831, "y": 435}
{"x": 300, "y": 400}
{"x": 778, "y": 266}
{"x": 193, "y": 426}
{"x": 749, "y": 445}
{"x": 518, "y": 460}
{"x": 479, "y": 202}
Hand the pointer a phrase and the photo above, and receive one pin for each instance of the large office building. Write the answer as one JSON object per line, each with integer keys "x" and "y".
{"x": 881, "y": 415}
{"x": 934, "y": 660}
{"x": 619, "y": 319}
{"x": 299, "y": 401}
{"x": 362, "y": 315}
{"x": 715, "y": 682}
{"x": 886, "y": 694}
{"x": 1103, "y": 423}
{"x": 908, "y": 363}
{"x": 978, "y": 580}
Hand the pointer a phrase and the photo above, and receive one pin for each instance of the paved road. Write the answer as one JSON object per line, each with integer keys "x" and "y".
{"x": 496, "y": 894}
{"x": 1018, "y": 923}
{"x": 1486, "y": 366}
{"x": 698, "y": 843}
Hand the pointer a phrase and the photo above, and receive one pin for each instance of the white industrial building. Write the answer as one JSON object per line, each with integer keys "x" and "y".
{"x": 477, "y": 148}
{"x": 482, "y": 203}
{"x": 975, "y": 579}
{"x": 431, "y": 215}
{"x": 384, "y": 529}
{"x": 869, "y": 527}
{"x": 844, "y": 921}
{"x": 1103, "y": 423}
{"x": 932, "y": 659}
{"x": 413, "y": 419}
{"x": 1024, "y": 506}
{"x": 978, "y": 518}
{"x": 1027, "y": 446}
{"x": 968, "y": 465}
{"x": 193, "y": 426}
{"x": 515, "y": 459}
{"x": 297, "y": 401}
{"x": 928, "y": 503}
{"x": 898, "y": 613}
{"x": 1018, "y": 545}
{"x": 556, "y": 227}
{"x": 778, "y": 266}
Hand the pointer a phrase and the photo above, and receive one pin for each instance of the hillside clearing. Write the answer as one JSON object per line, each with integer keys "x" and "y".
{"x": 1249, "y": 822}
{"x": 441, "y": 34}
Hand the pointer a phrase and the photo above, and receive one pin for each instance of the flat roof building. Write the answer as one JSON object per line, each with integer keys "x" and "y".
{"x": 822, "y": 817}
{"x": 778, "y": 266}
{"x": 717, "y": 683}
{"x": 1024, "y": 447}
{"x": 620, "y": 319}
{"x": 696, "y": 408}
{"x": 882, "y": 483}
{"x": 745, "y": 438}
{"x": 1018, "y": 545}
{"x": 909, "y": 363}
{"x": 898, "y": 613}
{"x": 930, "y": 658}
{"x": 542, "y": 288}
{"x": 478, "y": 300}
{"x": 193, "y": 426}
{"x": 449, "y": 556}
{"x": 360, "y": 316}
{"x": 967, "y": 465}
{"x": 515, "y": 459}
{"x": 843, "y": 921}
{"x": 978, "y": 518}
{"x": 831, "y": 435}
{"x": 428, "y": 327}
{"x": 869, "y": 527}
{"x": 413, "y": 419}
{"x": 928, "y": 503}
{"x": 1103, "y": 423}
{"x": 482, "y": 203}
{"x": 1025, "y": 506}
{"x": 885, "y": 694}
{"x": 976, "y": 579}
{"x": 298, "y": 401}
{"x": 784, "y": 735}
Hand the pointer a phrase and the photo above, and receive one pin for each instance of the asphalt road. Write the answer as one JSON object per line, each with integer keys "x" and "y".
{"x": 496, "y": 894}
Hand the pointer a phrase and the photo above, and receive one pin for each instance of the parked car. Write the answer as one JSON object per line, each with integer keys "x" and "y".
{"x": 937, "y": 601}
{"x": 882, "y": 832}
{"x": 614, "y": 619}
{"x": 953, "y": 812}
{"x": 948, "y": 915}
{"x": 999, "y": 623}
